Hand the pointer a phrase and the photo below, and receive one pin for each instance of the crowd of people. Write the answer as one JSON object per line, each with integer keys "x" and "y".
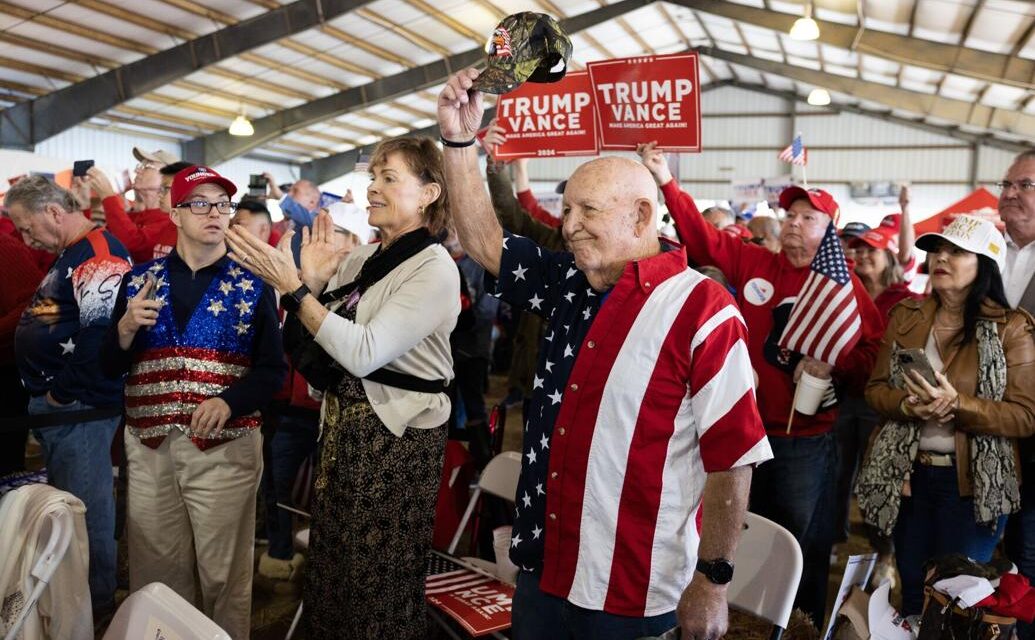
{"x": 230, "y": 349}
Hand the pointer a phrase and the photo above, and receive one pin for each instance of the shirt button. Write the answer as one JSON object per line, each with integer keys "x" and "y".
{"x": 553, "y": 516}
{"x": 561, "y": 431}
{"x": 591, "y": 344}
{"x": 553, "y": 475}
{"x": 646, "y": 284}
{"x": 574, "y": 387}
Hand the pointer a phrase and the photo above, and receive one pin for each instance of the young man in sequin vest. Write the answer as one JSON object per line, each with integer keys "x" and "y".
{"x": 200, "y": 341}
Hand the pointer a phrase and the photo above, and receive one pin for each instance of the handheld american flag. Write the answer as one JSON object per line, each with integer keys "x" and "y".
{"x": 795, "y": 153}
{"x": 825, "y": 319}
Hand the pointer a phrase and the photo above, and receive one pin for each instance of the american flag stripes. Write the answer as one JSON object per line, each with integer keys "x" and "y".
{"x": 444, "y": 574}
{"x": 795, "y": 153}
{"x": 825, "y": 318}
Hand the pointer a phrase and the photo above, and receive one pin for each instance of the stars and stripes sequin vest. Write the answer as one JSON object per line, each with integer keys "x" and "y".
{"x": 176, "y": 370}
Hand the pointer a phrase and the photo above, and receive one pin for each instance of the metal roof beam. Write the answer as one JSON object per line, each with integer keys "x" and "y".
{"x": 961, "y": 112}
{"x": 25, "y": 124}
{"x": 221, "y": 146}
{"x": 972, "y": 63}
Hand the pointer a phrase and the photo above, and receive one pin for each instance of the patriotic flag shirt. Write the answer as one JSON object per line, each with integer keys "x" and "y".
{"x": 60, "y": 333}
{"x": 767, "y": 285}
{"x": 639, "y": 393}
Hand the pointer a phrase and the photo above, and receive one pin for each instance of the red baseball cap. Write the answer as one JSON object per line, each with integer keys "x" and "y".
{"x": 892, "y": 221}
{"x": 739, "y": 231}
{"x": 188, "y": 179}
{"x": 880, "y": 238}
{"x": 821, "y": 200}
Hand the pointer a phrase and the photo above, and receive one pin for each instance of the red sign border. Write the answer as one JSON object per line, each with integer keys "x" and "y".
{"x": 693, "y": 55}
{"x": 595, "y": 151}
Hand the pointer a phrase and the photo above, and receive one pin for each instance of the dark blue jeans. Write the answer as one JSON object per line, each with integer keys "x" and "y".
{"x": 78, "y": 459}
{"x": 292, "y": 442}
{"x": 797, "y": 489}
{"x": 541, "y": 616}
{"x": 1020, "y": 539}
{"x": 935, "y": 521}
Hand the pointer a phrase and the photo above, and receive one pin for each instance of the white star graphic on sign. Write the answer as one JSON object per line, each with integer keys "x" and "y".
{"x": 586, "y": 313}
{"x": 536, "y": 532}
{"x": 527, "y": 500}
{"x": 516, "y": 541}
{"x": 549, "y": 367}
{"x": 67, "y": 347}
{"x": 544, "y": 442}
{"x": 571, "y": 271}
{"x": 535, "y": 301}
{"x": 531, "y": 457}
{"x": 567, "y": 351}
{"x": 519, "y": 273}
{"x": 568, "y": 296}
{"x": 537, "y": 382}
{"x": 555, "y": 397}
{"x": 539, "y": 490}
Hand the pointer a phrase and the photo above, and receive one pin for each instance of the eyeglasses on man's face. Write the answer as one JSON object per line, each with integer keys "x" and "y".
{"x": 1027, "y": 186}
{"x": 203, "y": 207}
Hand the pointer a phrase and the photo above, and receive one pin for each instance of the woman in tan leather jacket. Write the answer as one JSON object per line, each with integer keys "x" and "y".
{"x": 942, "y": 473}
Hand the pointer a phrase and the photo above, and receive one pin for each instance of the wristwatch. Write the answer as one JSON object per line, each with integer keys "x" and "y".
{"x": 719, "y": 571}
{"x": 292, "y": 301}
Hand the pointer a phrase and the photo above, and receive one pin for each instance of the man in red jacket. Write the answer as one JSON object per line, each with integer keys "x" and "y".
{"x": 148, "y": 233}
{"x": 796, "y": 488}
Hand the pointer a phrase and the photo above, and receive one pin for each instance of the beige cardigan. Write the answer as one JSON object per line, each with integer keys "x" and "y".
{"x": 403, "y": 321}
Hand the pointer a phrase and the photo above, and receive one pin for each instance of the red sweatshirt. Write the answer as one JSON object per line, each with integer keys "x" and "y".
{"x": 42, "y": 259}
{"x": 21, "y": 277}
{"x": 531, "y": 205}
{"x": 147, "y": 234}
{"x": 767, "y": 285}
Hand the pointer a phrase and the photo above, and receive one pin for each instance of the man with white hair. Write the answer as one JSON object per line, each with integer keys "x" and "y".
{"x": 642, "y": 407}
{"x": 1017, "y": 210}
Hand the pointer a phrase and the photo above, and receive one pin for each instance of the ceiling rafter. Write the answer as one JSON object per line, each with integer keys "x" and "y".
{"x": 400, "y": 30}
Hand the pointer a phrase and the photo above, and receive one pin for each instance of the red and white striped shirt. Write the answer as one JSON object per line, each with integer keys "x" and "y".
{"x": 659, "y": 394}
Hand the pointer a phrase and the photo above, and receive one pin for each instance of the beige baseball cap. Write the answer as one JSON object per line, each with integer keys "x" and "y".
{"x": 970, "y": 233}
{"x": 159, "y": 156}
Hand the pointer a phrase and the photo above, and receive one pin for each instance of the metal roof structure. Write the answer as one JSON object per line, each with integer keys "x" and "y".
{"x": 319, "y": 78}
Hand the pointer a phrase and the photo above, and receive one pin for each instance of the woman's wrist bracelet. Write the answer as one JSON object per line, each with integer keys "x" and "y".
{"x": 457, "y": 145}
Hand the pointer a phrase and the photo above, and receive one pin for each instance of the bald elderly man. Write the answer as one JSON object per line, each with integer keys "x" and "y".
{"x": 642, "y": 408}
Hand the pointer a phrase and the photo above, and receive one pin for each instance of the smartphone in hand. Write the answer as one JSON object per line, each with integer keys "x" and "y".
{"x": 80, "y": 167}
{"x": 916, "y": 360}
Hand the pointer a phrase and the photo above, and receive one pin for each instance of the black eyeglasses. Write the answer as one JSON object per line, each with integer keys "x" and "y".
{"x": 203, "y": 207}
{"x": 1027, "y": 186}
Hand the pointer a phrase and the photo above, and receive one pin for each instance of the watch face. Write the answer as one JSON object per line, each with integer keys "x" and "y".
{"x": 722, "y": 572}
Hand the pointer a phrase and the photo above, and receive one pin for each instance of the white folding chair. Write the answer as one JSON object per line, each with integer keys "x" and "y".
{"x": 156, "y": 611}
{"x": 768, "y": 568}
{"x": 58, "y": 541}
{"x": 500, "y": 479}
{"x": 302, "y": 544}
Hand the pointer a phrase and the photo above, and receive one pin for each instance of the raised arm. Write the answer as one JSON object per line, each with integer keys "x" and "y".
{"x": 459, "y": 117}
{"x": 906, "y": 234}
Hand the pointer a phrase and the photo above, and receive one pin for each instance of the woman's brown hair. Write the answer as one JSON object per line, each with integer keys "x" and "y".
{"x": 424, "y": 159}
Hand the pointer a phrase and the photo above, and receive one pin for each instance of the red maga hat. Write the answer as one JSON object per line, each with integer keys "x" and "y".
{"x": 188, "y": 179}
{"x": 821, "y": 200}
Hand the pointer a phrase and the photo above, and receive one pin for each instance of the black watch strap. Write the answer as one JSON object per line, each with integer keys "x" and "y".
{"x": 293, "y": 301}
{"x": 719, "y": 571}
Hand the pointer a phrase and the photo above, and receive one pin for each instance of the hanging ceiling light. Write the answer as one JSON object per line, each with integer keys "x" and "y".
{"x": 819, "y": 97}
{"x": 805, "y": 28}
{"x": 241, "y": 126}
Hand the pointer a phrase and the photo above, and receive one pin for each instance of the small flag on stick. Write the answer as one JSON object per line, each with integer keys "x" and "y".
{"x": 795, "y": 153}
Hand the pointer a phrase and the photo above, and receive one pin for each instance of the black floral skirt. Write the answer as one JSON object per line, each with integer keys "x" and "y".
{"x": 373, "y": 512}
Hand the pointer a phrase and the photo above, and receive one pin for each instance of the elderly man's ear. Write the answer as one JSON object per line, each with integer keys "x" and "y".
{"x": 645, "y": 223}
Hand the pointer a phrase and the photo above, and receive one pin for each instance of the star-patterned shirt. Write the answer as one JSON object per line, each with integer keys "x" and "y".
{"x": 640, "y": 391}
{"x": 61, "y": 331}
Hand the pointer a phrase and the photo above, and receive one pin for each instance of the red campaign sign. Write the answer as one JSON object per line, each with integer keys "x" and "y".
{"x": 648, "y": 98}
{"x": 480, "y": 604}
{"x": 549, "y": 119}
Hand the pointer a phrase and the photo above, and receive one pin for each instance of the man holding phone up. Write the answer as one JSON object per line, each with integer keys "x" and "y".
{"x": 200, "y": 339}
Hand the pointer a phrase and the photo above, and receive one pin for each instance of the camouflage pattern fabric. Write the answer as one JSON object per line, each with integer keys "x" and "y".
{"x": 524, "y": 47}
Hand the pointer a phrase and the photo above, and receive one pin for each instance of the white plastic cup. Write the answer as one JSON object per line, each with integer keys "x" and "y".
{"x": 810, "y": 393}
{"x": 506, "y": 570}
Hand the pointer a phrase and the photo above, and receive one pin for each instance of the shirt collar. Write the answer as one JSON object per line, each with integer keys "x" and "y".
{"x": 652, "y": 271}
{"x": 176, "y": 263}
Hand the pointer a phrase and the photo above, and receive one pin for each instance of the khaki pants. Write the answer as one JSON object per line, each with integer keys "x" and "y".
{"x": 190, "y": 508}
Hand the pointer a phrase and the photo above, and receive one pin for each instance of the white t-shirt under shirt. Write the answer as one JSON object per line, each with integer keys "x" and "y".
{"x": 1020, "y": 267}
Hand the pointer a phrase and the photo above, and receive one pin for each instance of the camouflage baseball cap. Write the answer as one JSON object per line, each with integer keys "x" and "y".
{"x": 524, "y": 47}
